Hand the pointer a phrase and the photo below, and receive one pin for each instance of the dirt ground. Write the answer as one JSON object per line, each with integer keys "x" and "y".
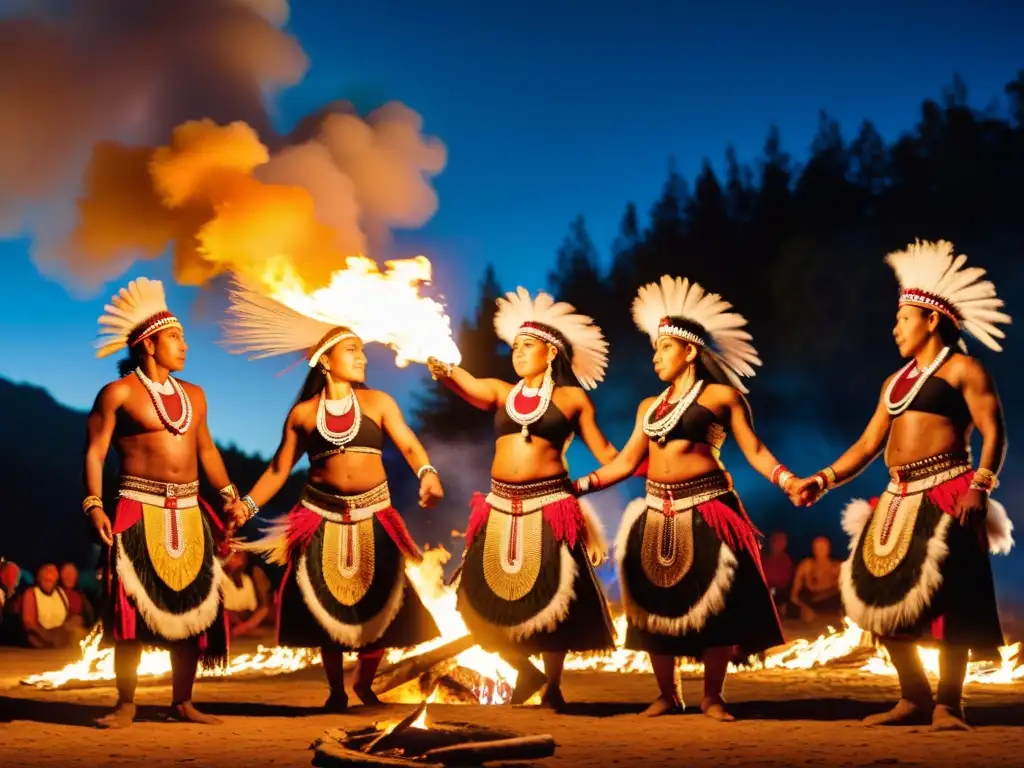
{"x": 787, "y": 719}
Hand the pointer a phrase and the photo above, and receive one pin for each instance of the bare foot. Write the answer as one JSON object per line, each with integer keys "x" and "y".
{"x": 905, "y": 712}
{"x": 337, "y": 702}
{"x": 948, "y": 719}
{"x": 664, "y": 706}
{"x": 553, "y": 699}
{"x": 121, "y": 717}
{"x": 715, "y": 709}
{"x": 367, "y": 696}
{"x": 187, "y": 713}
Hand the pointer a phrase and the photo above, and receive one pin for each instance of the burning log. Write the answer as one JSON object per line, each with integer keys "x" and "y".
{"x": 412, "y": 667}
{"x": 478, "y": 753}
{"x": 387, "y": 737}
{"x": 329, "y": 755}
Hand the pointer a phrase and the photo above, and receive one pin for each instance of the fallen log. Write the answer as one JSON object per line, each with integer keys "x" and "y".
{"x": 387, "y": 737}
{"x": 334, "y": 755}
{"x": 521, "y": 748}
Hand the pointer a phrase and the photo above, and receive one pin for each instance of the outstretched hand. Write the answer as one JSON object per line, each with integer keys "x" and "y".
{"x": 438, "y": 369}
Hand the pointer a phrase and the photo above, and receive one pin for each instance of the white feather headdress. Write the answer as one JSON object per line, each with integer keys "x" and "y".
{"x": 133, "y": 314}
{"x": 264, "y": 327}
{"x": 930, "y": 276}
{"x": 518, "y": 313}
{"x": 723, "y": 335}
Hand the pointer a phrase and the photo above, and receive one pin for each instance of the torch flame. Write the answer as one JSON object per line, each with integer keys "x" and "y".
{"x": 497, "y": 678}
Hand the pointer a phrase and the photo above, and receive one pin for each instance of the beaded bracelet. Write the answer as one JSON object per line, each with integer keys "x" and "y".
{"x": 424, "y": 469}
{"x": 91, "y": 501}
{"x": 250, "y": 505}
{"x": 781, "y": 476}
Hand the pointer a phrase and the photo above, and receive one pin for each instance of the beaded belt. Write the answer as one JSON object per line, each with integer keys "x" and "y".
{"x": 346, "y": 509}
{"x": 524, "y": 498}
{"x": 675, "y": 497}
{"x": 346, "y": 449}
{"x": 919, "y": 476}
{"x": 157, "y": 494}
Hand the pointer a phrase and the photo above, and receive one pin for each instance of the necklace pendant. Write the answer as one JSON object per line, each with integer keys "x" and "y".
{"x": 525, "y": 432}
{"x": 661, "y": 439}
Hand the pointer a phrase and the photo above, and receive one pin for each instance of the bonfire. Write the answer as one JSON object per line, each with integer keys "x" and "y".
{"x": 451, "y": 669}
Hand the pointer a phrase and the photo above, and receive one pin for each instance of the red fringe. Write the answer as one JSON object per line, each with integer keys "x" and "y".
{"x": 946, "y": 495}
{"x": 564, "y": 517}
{"x": 734, "y": 529}
{"x": 395, "y": 527}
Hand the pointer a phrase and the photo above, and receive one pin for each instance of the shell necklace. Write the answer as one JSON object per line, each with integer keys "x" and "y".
{"x": 158, "y": 393}
{"x": 542, "y": 394}
{"x": 659, "y": 428}
{"x": 338, "y": 408}
{"x": 908, "y": 372}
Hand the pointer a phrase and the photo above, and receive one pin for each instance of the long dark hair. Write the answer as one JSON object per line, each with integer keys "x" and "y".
{"x": 316, "y": 379}
{"x": 133, "y": 360}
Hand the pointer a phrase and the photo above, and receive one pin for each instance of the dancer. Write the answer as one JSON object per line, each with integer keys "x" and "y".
{"x": 918, "y": 569}
{"x": 344, "y": 545}
{"x": 162, "y": 577}
{"x": 526, "y": 584}
{"x": 689, "y": 561}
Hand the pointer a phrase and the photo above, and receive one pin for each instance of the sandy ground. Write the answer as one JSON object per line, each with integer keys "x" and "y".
{"x": 788, "y": 719}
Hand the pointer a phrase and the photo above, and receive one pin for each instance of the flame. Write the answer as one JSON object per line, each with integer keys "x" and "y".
{"x": 385, "y": 307}
{"x": 497, "y": 679}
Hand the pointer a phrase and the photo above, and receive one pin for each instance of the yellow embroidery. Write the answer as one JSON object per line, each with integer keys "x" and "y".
{"x": 179, "y": 566}
{"x": 882, "y": 558}
{"x": 348, "y": 583}
{"x": 512, "y": 580}
{"x": 667, "y": 550}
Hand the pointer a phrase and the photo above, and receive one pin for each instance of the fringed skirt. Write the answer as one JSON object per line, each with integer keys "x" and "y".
{"x": 527, "y": 583}
{"x": 914, "y": 572}
{"x": 345, "y": 584}
{"x": 163, "y": 576}
{"x": 690, "y": 572}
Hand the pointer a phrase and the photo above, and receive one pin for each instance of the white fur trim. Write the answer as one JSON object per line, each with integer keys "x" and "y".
{"x": 856, "y": 515}
{"x": 169, "y": 625}
{"x": 886, "y": 619}
{"x": 597, "y": 542}
{"x": 272, "y": 546}
{"x": 554, "y": 613}
{"x": 352, "y": 635}
{"x": 711, "y": 603}
{"x": 634, "y": 509}
{"x": 1000, "y": 528}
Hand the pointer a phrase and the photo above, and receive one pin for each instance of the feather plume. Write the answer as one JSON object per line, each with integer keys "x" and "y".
{"x": 932, "y": 268}
{"x": 263, "y": 327}
{"x": 679, "y": 297}
{"x": 589, "y": 347}
{"x": 128, "y": 309}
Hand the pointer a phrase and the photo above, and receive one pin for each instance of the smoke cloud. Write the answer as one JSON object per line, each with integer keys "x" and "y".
{"x": 129, "y": 128}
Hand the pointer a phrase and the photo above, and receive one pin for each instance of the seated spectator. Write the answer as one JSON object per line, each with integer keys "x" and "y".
{"x": 78, "y": 603}
{"x": 778, "y": 570}
{"x": 46, "y": 621}
{"x": 246, "y": 595}
{"x": 816, "y": 584}
{"x": 10, "y": 577}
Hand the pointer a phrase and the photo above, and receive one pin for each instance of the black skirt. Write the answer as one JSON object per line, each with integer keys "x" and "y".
{"x": 931, "y": 580}
{"x": 370, "y": 609}
{"x": 700, "y": 595}
{"x": 553, "y": 604}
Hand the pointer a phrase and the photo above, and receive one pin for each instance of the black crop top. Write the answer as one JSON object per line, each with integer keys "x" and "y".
{"x": 938, "y": 396}
{"x": 698, "y": 424}
{"x": 553, "y": 426}
{"x": 370, "y": 436}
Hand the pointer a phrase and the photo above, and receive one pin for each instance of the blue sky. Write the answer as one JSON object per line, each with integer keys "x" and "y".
{"x": 548, "y": 109}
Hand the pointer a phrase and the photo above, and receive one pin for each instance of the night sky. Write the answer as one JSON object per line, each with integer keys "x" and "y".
{"x": 548, "y": 110}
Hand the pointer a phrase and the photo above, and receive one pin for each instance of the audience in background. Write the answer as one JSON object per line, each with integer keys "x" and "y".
{"x": 247, "y": 595}
{"x": 778, "y": 570}
{"x": 46, "y": 619}
{"x": 816, "y": 585}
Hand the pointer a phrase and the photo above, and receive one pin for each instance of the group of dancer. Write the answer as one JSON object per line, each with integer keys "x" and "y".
{"x": 687, "y": 553}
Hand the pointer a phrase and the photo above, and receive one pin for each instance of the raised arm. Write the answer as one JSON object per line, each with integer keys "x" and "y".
{"x": 592, "y": 435}
{"x": 293, "y": 445}
{"x": 485, "y": 394}
{"x": 412, "y": 449}
{"x": 625, "y": 463}
{"x": 99, "y": 433}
